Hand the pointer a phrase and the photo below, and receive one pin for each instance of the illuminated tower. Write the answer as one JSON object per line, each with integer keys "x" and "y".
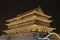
{"x": 29, "y": 22}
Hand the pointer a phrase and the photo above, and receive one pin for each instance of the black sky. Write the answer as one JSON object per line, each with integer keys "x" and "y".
{"x": 9, "y": 9}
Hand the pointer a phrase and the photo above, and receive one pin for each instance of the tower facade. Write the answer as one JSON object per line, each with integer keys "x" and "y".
{"x": 33, "y": 20}
{"x": 28, "y": 25}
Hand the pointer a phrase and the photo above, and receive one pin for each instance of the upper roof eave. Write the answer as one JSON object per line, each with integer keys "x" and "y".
{"x": 39, "y": 9}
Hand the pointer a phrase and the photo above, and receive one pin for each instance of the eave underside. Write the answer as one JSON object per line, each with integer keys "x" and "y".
{"x": 31, "y": 28}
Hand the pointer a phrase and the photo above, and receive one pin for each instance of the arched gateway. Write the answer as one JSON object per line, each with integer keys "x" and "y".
{"x": 31, "y": 25}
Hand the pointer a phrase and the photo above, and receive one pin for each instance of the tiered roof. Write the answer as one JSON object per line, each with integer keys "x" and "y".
{"x": 34, "y": 20}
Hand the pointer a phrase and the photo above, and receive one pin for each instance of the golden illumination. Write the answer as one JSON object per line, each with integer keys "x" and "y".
{"x": 26, "y": 22}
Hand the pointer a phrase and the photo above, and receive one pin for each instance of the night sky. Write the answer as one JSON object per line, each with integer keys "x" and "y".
{"x": 9, "y": 9}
